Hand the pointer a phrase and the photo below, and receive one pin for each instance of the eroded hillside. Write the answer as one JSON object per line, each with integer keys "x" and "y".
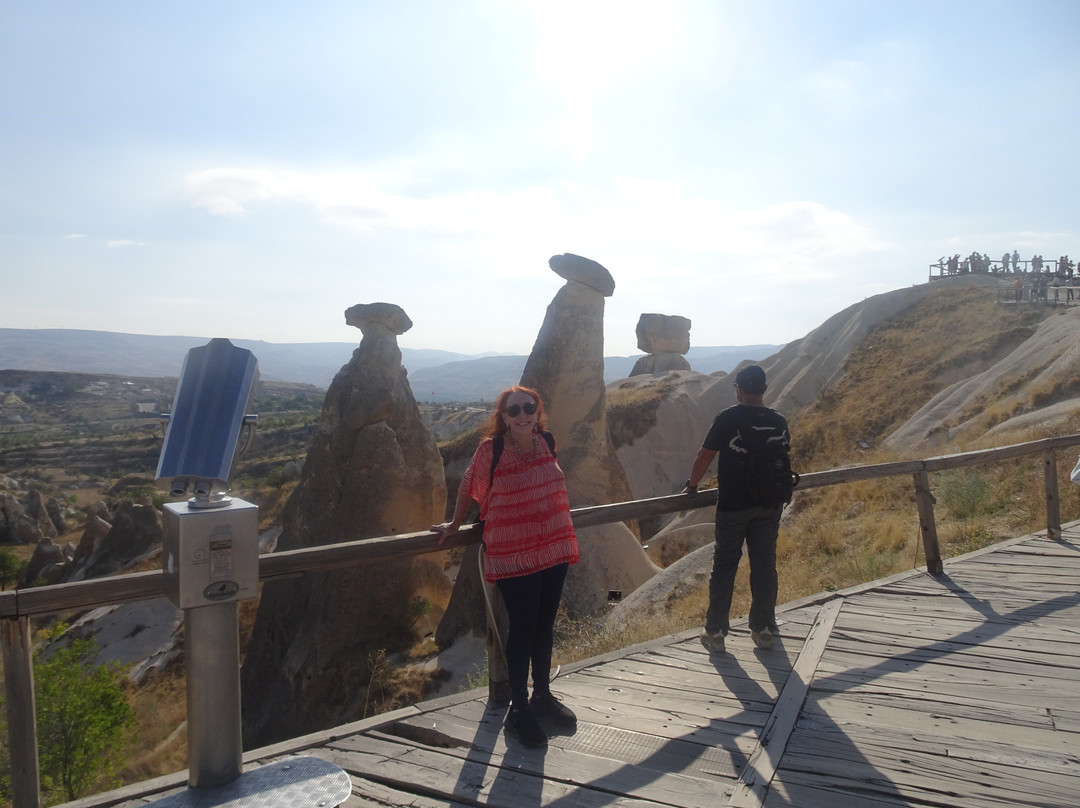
{"x": 903, "y": 362}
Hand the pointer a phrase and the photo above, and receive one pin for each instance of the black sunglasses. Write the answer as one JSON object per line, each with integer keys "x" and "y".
{"x": 514, "y": 409}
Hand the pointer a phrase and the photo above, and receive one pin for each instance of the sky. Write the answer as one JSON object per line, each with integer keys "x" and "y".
{"x": 252, "y": 169}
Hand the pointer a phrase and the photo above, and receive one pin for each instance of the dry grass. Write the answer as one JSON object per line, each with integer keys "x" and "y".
{"x": 161, "y": 746}
{"x": 904, "y": 362}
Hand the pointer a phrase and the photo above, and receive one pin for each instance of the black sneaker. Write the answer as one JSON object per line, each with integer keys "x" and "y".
{"x": 549, "y": 708}
{"x": 521, "y": 722}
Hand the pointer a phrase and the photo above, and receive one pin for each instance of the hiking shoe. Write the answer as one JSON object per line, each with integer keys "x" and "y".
{"x": 763, "y": 638}
{"x": 713, "y": 641}
{"x": 549, "y": 708}
{"x": 521, "y": 722}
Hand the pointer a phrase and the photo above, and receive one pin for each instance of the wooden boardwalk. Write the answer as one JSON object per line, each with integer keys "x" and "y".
{"x": 956, "y": 690}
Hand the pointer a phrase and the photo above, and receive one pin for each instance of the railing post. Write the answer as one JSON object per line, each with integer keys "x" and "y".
{"x": 924, "y": 501}
{"x": 22, "y": 722}
{"x": 1053, "y": 501}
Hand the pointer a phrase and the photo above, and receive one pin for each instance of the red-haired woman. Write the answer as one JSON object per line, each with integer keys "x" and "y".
{"x": 529, "y": 542}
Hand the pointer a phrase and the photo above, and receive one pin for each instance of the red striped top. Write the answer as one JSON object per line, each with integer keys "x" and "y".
{"x": 526, "y": 513}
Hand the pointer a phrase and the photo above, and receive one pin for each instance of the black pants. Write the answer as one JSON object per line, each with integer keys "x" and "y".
{"x": 758, "y": 528}
{"x": 532, "y": 601}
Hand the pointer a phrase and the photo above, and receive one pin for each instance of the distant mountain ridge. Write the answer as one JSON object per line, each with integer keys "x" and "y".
{"x": 435, "y": 375}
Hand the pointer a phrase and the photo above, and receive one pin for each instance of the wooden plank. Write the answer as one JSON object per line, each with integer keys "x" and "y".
{"x": 761, "y": 767}
{"x": 999, "y": 609}
{"x": 926, "y": 779}
{"x": 474, "y": 781}
{"x": 667, "y": 770}
{"x": 722, "y": 723}
{"x": 9, "y": 603}
{"x": 948, "y": 634}
{"x": 370, "y": 794}
{"x": 1012, "y": 689}
{"x": 784, "y": 794}
{"x": 1065, "y": 720}
{"x": 694, "y": 692}
{"x": 725, "y": 679}
{"x": 910, "y": 727}
{"x": 740, "y": 648}
{"x": 42, "y": 600}
{"x": 884, "y": 656}
{"x": 903, "y": 688}
{"x": 930, "y": 708}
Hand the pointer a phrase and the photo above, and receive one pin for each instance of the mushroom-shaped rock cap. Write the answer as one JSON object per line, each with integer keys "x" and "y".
{"x": 391, "y": 317}
{"x": 583, "y": 270}
{"x": 663, "y": 333}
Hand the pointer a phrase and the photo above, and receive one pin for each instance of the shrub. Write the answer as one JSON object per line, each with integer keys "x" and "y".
{"x": 83, "y": 717}
{"x": 11, "y": 567}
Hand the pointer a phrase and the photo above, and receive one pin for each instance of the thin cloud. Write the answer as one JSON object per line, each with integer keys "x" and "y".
{"x": 228, "y": 191}
{"x": 123, "y": 243}
{"x": 631, "y": 213}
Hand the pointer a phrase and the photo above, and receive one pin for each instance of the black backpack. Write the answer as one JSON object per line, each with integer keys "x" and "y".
{"x": 497, "y": 450}
{"x": 770, "y": 479}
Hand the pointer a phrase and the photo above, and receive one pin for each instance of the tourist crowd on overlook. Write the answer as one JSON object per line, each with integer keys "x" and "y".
{"x": 1007, "y": 264}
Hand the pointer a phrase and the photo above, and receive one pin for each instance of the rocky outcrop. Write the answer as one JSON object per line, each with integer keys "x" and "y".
{"x": 675, "y": 411}
{"x": 373, "y": 469}
{"x": 665, "y": 339}
{"x": 687, "y": 532}
{"x": 29, "y": 519}
{"x": 567, "y": 368}
{"x": 684, "y": 578}
{"x": 134, "y": 533}
{"x": 94, "y": 533}
{"x": 47, "y": 563}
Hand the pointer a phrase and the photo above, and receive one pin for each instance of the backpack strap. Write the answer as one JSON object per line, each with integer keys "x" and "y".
{"x": 550, "y": 439}
{"x": 496, "y": 453}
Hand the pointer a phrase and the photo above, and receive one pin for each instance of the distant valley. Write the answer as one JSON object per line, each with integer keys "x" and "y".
{"x": 434, "y": 375}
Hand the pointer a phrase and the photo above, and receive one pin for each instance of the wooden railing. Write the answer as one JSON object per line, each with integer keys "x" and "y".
{"x": 18, "y": 606}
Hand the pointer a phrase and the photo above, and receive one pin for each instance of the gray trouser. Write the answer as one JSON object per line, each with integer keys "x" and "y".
{"x": 758, "y": 527}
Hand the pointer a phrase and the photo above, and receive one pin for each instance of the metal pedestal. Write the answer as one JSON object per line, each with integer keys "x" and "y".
{"x": 215, "y": 755}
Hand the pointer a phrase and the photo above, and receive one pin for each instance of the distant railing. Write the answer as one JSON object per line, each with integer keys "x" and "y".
{"x": 1054, "y": 292}
{"x": 18, "y": 606}
{"x": 998, "y": 267}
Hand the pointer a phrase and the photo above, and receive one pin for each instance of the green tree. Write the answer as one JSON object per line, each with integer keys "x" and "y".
{"x": 11, "y": 567}
{"x": 83, "y": 719}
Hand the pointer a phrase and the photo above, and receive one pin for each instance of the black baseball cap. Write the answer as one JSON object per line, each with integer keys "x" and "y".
{"x": 751, "y": 379}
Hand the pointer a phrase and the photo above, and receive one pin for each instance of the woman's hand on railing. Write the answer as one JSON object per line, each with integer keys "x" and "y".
{"x": 445, "y": 530}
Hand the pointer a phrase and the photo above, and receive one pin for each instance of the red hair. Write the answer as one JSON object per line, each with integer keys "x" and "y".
{"x": 497, "y": 426}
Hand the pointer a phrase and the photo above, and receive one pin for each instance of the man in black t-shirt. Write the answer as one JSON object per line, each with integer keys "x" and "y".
{"x": 740, "y": 516}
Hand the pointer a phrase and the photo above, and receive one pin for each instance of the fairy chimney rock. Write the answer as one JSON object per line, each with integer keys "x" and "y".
{"x": 566, "y": 367}
{"x": 373, "y": 469}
